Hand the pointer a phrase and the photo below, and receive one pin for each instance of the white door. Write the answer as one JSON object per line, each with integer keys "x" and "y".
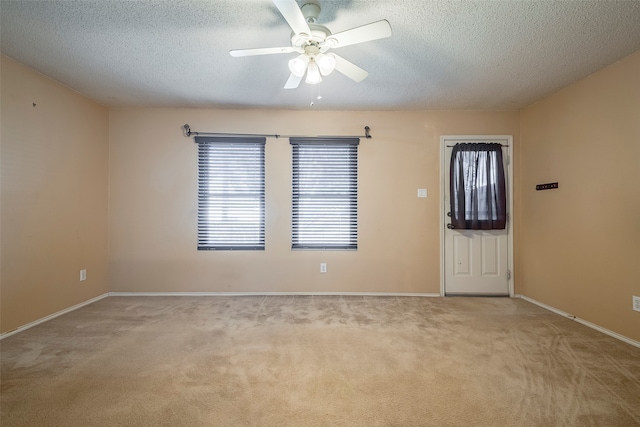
{"x": 476, "y": 262}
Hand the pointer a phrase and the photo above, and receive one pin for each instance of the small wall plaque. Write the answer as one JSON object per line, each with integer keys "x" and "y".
{"x": 549, "y": 186}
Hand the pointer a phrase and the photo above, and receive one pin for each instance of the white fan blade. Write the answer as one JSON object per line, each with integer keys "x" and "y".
{"x": 350, "y": 69}
{"x": 261, "y": 51}
{"x": 374, "y": 31}
{"x": 293, "y": 15}
{"x": 293, "y": 82}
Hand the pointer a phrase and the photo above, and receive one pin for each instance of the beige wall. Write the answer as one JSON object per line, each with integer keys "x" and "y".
{"x": 153, "y": 202}
{"x": 578, "y": 247}
{"x": 53, "y": 197}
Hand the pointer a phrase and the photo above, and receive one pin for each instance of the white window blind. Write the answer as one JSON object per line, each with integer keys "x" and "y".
{"x": 231, "y": 193}
{"x": 325, "y": 193}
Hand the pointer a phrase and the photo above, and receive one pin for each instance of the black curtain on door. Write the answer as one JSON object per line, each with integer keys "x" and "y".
{"x": 478, "y": 189}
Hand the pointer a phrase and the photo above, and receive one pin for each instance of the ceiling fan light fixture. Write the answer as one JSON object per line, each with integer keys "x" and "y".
{"x": 313, "y": 73}
{"x": 326, "y": 63}
{"x": 298, "y": 65}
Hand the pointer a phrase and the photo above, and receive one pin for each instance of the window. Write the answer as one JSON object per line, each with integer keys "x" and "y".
{"x": 230, "y": 193}
{"x": 478, "y": 189}
{"x": 325, "y": 193}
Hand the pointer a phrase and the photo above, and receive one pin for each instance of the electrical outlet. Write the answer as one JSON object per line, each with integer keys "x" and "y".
{"x": 83, "y": 275}
{"x": 323, "y": 267}
{"x": 636, "y": 303}
{"x": 422, "y": 192}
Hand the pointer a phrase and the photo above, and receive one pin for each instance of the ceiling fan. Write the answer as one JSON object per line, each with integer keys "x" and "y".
{"x": 312, "y": 42}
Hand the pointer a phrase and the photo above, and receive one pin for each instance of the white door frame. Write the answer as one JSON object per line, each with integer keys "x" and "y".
{"x": 452, "y": 140}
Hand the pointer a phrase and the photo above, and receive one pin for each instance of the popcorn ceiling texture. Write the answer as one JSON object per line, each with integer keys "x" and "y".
{"x": 442, "y": 55}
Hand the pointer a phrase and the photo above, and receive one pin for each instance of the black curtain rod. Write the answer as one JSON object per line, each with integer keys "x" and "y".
{"x": 188, "y": 132}
{"x": 451, "y": 146}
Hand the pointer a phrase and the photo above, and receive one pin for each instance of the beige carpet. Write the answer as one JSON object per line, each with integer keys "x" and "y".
{"x": 317, "y": 361}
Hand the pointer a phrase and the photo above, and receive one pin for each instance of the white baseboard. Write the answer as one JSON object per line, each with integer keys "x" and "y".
{"x": 579, "y": 320}
{"x": 51, "y": 316}
{"x": 240, "y": 294}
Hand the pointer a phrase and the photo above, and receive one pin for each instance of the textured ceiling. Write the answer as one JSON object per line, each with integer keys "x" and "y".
{"x": 442, "y": 55}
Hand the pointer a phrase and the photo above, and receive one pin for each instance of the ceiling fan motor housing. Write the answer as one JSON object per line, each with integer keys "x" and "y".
{"x": 318, "y": 36}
